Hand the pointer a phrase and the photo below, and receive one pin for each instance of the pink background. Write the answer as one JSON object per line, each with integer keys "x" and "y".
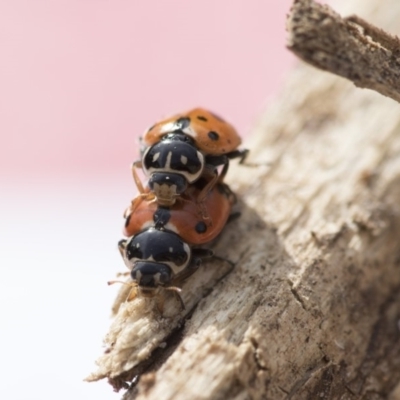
{"x": 80, "y": 80}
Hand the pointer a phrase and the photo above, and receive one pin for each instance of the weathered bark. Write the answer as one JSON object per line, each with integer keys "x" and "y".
{"x": 349, "y": 47}
{"x": 312, "y": 307}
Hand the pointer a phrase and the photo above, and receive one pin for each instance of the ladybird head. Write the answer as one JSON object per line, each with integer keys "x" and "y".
{"x": 167, "y": 187}
{"x": 172, "y": 164}
{"x": 154, "y": 257}
{"x": 150, "y": 276}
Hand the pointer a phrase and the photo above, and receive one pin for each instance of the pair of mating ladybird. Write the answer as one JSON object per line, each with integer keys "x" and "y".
{"x": 185, "y": 203}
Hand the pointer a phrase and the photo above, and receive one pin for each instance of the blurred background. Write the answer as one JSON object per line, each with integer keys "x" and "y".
{"x": 80, "y": 82}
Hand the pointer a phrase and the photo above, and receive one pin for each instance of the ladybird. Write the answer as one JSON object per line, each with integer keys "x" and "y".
{"x": 211, "y": 134}
{"x": 159, "y": 260}
{"x": 181, "y": 149}
{"x": 184, "y": 217}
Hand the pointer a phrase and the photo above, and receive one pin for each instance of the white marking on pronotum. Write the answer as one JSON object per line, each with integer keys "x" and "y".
{"x": 157, "y": 277}
{"x": 190, "y": 131}
{"x": 171, "y": 249}
{"x": 171, "y": 227}
{"x": 168, "y": 162}
{"x": 156, "y": 156}
{"x": 184, "y": 160}
{"x": 138, "y": 275}
{"x": 168, "y": 127}
{"x": 187, "y": 250}
{"x": 146, "y": 225}
{"x": 190, "y": 177}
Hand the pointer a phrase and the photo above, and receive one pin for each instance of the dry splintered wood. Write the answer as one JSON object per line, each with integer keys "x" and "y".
{"x": 349, "y": 47}
{"x": 311, "y": 308}
{"x": 139, "y": 329}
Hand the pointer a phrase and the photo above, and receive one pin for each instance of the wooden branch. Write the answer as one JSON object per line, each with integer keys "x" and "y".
{"x": 312, "y": 307}
{"x": 349, "y": 47}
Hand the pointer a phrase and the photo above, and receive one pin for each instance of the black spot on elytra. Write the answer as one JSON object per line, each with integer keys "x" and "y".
{"x": 161, "y": 217}
{"x": 201, "y": 227}
{"x": 201, "y": 118}
{"x": 213, "y": 135}
{"x": 182, "y": 123}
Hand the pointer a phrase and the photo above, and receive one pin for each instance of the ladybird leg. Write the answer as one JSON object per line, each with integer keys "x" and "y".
{"x": 224, "y": 158}
{"x": 195, "y": 204}
{"x": 123, "y": 274}
{"x": 213, "y": 179}
{"x": 183, "y": 200}
{"x": 201, "y": 209}
{"x": 241, "y": 154}
{"x": 231, "y": 263}
{"x": 132, "y": 294}
{"x": 198, "y": 256}
{"x": 201, "y": 254}
{"x": 231, "y": 196}
{"x": 137, "y": 164}
{"x": 177, "y": 294}
{"x": 182, "y": 276}
{"x": 132, "y": 286}
{"x": 160, "y": 300}
{"x": 135, "y": 202}
{"x": 233, "y": 216}
{"x": 224, "y": 170}
{"x": 150, "y": 197}
{"x": 217, "y": 161}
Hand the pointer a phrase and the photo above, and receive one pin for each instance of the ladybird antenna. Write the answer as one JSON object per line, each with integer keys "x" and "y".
{"x": 177, "y": 292}
{"x": 174, "y": 289}
{"x": 132, "y": 284}
{"x": 127, "y": 273}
